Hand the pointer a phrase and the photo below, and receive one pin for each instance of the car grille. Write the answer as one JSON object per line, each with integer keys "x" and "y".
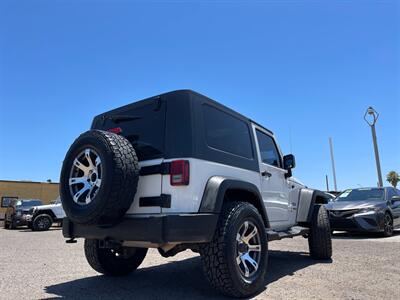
{"x": 342, "y": 213}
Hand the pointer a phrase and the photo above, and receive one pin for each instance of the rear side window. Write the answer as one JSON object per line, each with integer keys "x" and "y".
{"x": 227, "y": 133}
{"x": 268, "y": 151}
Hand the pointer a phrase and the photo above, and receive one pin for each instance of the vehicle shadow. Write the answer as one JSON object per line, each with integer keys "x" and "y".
{"x": 175, "y": 279}
{"x": 343, "y": 235}
{"x": 30, "y": 230}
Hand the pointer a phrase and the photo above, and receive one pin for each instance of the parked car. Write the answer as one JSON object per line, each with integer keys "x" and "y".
{"x": 40, "y": 218}
{"x": 211, "y": 180}
{"x": 16, "y": 211}
{"x": 366, "y": 210}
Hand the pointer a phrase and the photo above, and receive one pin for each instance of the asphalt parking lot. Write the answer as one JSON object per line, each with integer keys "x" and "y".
{"x": 39, "y": 265}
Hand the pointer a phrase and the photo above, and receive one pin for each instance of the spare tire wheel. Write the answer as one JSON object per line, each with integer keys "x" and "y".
{"x": 99, "y": 178}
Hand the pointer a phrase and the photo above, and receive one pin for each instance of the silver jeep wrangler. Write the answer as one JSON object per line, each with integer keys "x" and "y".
{"x": 180, "y": 171}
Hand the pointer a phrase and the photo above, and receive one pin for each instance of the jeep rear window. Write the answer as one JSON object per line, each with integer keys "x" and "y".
{"x": 227, "y": 133}
{"x": 146, "y": 132}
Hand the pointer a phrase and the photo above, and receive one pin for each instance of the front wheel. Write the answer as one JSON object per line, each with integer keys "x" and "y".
{"x": 42, "y": 223}
{"x": 319, "y": 239}
{"x": 113, "y": 261}
{"x": 235, "y": 261}
{"x": 387, "y": 225}
{"x": 13, "y": 224}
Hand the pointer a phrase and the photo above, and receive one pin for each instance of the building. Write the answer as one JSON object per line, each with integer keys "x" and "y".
{"x": 10, "y": 189}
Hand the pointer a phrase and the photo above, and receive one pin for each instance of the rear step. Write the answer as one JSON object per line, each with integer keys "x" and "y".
{"x": 293, "y": 231}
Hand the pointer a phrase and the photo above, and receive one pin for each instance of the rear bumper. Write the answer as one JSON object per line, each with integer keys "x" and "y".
{"x": 159, "y": 229}
{"x": 366, "y": 222}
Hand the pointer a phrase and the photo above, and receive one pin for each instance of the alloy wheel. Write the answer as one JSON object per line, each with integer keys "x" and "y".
{"x": 85, "y": 177}
{"x": 248, "y": 249}
{"x": 43, "y": 223}
{"x": 388, "y": 224}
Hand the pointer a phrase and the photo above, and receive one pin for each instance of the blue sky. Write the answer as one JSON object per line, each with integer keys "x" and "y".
{"x": 307, "y": 70}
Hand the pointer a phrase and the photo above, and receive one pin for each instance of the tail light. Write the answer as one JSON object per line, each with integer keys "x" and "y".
{"x": 179, "y": 172}
{"x": 116, "y": 130}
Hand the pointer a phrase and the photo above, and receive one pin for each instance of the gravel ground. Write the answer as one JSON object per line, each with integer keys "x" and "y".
{"x": 37, "y": 265}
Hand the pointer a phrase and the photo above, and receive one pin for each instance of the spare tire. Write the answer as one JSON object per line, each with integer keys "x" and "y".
{"x": 99, "y": 178}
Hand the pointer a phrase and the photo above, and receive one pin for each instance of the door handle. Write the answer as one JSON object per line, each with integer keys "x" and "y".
{"x": 266, "y": 174}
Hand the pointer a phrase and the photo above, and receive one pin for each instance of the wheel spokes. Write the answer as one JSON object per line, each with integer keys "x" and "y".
{"x": 248, "y": 249}
{"x": 255, "y": 248}
{"x": 89, "y": 159}
{"x": 85, "y": 176}
{"x": 79, "y": 193}
{"x": 81, "y": 166}
{"x": 248, "y": 237}
{"x": 247, "y": 258}
{"x": 76, "y": 180}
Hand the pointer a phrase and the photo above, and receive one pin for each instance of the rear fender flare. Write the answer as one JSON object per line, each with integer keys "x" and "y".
{"x": 215, "y": 191}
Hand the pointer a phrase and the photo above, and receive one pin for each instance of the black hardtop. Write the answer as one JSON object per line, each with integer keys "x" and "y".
{"x": 172, "y": 125}
{"x": 182, "y": 95}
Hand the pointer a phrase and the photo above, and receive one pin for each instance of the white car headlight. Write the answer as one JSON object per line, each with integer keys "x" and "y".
{"x": 368, "y": 209}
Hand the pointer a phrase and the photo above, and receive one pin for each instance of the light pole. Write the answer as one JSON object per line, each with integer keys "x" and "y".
{"x": 371, "y": 122}
{"x": 333, "y": 164}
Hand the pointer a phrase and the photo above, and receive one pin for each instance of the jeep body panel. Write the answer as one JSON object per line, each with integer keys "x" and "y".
{"x": 187, "y": 199}
{"x": 54, "y": 210}
{"x": 185, "y": 125}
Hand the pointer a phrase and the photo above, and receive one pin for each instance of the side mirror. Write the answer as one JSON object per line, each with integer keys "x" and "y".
{"x": 395, "y": 199}
{"x": 289, "y": 163}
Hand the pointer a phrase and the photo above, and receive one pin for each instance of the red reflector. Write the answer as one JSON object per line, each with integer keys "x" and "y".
{"x": 116, "y": 130}
{"x": 179, "y": 172}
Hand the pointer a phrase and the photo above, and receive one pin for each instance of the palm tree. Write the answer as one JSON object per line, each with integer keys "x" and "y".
{"x": 393, "y": 177}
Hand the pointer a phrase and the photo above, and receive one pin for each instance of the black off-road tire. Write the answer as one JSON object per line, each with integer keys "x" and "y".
{"x": 42, "y": 222}
{"x": 105, "y": 260}
{"x": 12, "y": 224}
{"x": 319, "y": 239}
{"x": 120, "y": 175}
{"x": 6, "y": 225}
{"x": 219, "y": 256}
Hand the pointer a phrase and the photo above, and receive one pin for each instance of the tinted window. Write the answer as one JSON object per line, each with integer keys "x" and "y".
{"x": 227, "y": 133}
{"x": 146, "y": 132}
{"x": 391, "y": 193}
{"x": 268, "y": 151}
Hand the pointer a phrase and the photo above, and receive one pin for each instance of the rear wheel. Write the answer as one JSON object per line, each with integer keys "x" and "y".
{"x": 387, "y": 225}
{"x": 319, "y": 239}
{"x": 235, "y": 261}
{"x": 42, "y": 223}
{"x": 113, "y": 261}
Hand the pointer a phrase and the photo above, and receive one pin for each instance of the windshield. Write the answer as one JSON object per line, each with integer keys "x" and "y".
{"x": 29, "y": 202}
{"x": 373, "y": 194}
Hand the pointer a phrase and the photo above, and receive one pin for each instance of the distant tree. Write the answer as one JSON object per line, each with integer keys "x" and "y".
{"x": 49, "y": 180}
{"x": 393, "y": 177}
